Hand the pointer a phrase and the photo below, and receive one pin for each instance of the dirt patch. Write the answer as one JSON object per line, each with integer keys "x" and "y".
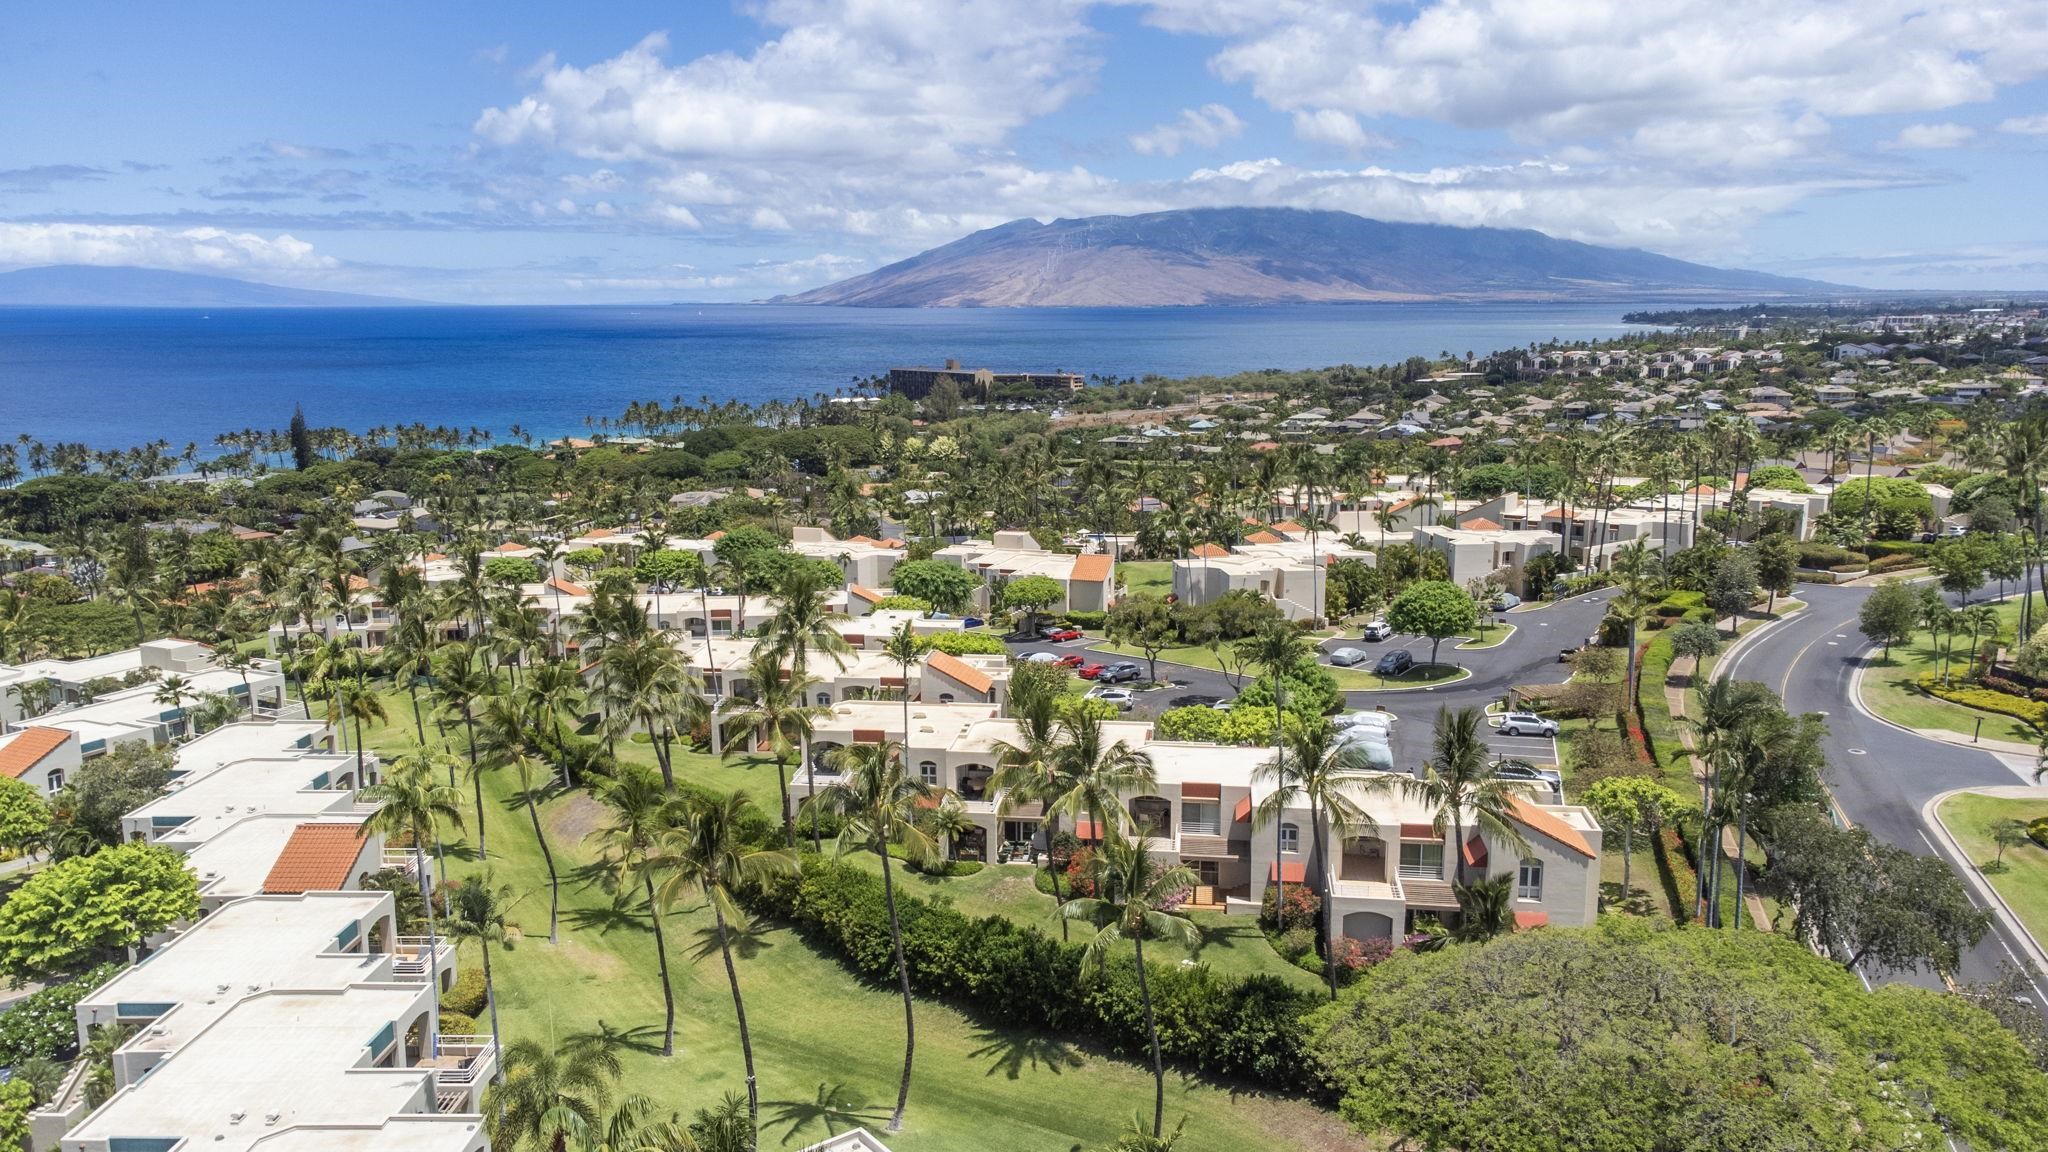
{"x": 575, "y": 818}
{"x": 589, "y": 963}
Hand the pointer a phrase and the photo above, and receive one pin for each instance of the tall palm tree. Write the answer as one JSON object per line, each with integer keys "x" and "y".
{"x": 1275, "y": 651}
{"x": 511, "y": 741}
{"x": 409, "y": 654}
{"x": 803, "y": 622}
{"x": 638, "y": 812}
{"x": 476, "y": 911}
{"x": 702, "y": 854}
{"x": 539, "y": 1078}
{"x": 1096, "y": 774}
{"x": 1331, "y": 775}
{"x": 461, "y": 682}
{"x": 646, "y": 687}
{"x": 413, "y": 805}
{"x": 1458, "y": 778}
{"x": 552, "y": 689}
{"x": 878, "y": 803}
{"x": 1634, "y": 565}
{"x": 1027, "y": 772}
{"x": 1137, "y": 900}
{"x": 782, "y": 716}
{"x": 175, "y": 692}
{"x": 359, "y": 703}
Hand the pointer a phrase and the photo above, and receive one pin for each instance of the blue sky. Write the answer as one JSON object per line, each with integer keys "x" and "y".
{"x": 517, "y": 152}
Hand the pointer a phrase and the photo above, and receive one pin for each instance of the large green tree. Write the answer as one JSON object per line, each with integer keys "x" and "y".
{"x": 81, "y": 909}
{"x": 1889, "y": 615}
{"x": 946, "y": 587}
{"x": 1437, "y": 609}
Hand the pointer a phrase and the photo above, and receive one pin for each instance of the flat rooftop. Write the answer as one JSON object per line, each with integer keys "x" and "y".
{"x": 248, "y": 946}
{"x": 214, "y": 802}
{"x": 298, "y": 1056}
{"x": 398, "y": 1134}
{"x": 247, "y": 739}
{"x": 235, "y": 861}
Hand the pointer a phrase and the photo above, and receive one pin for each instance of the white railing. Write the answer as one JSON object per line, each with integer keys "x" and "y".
{"x": 473, "y": 1057}
{"x": 413, "y": 962}
{"x": 399, "y": 858}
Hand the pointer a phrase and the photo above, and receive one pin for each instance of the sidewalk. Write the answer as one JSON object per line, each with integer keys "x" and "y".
{"x": 1930, "y": 816}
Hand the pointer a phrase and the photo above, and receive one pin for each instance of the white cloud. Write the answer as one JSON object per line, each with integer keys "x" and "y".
{"x": 1336, "y": 129}
{"x": 1920, "y": 136}
{"x": 2035, "y": 125}
{"x": 1204, "y": 127}
{"x": 187, "y": 249}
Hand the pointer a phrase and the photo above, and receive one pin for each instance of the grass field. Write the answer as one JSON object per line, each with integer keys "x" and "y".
{"x": 1891, "y": 689}
{"x": 1154, "y": 576}
{"x": 1492, "y": 636}
{"x": 2023, "y": 883}
{"x": 827, "y": 1045}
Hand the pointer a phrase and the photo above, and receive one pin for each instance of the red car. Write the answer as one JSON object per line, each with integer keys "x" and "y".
{"x": 1070, "y": 660}
{"x": 1062, "y": 635}
{"x": 1088, "y": 671}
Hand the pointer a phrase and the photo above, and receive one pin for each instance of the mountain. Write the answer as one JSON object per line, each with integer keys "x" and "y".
{"x": 1271, "y": 256}
{"x": 92, "y": 286}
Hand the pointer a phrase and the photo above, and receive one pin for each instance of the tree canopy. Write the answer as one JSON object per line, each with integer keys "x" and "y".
{"x": 77, "y": 910}
{"x": 1436, "y": 609}
{"x": 948, "y": 587}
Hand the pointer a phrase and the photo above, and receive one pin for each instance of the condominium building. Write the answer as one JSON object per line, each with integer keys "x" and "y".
{"x": 1286, "y": 571}
{"x": 1087, "y": 583}
{"x": 144, "y": 712}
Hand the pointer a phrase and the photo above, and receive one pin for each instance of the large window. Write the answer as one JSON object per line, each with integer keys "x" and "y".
{"x": 928, "y": 772}
{"x": 1422, "y": 861}
{"x": 1529, "y": 880}
{"x": 1201, "y": 818}
{"x": 1153, "y": 816}
{"x": 1290, "y": 838}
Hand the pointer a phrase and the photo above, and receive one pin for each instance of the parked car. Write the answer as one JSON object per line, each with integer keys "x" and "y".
{"x": 1502, "y": 601}
{"x": 1062, "y": 635}
{"x": 1041, "y": 657}
{"x": 1526, "y": 724}
{"x": 1071, "y": 660}
{"x": 1088, "y": 671}
{"x": 1377, "y": 630}
{"x": 1120, "y": 673}
{"x": 1564, "y": 655}
{"x": 972, "y": 622}
{"x": 1346, "y": 657}
{"x": 1370, "y": 718}
{"x": 1121, "y": 697}
{"x": 1394, "y": 663}
{"x": 1221, "y": 706}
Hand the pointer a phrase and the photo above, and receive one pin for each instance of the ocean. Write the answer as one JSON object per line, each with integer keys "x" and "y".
{"x": 112, "y": 378}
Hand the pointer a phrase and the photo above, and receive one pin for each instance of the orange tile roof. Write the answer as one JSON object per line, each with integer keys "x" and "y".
{"x": 1209, "y": 550}
{"x": 867, "y": 594}
{"x": 1480, "y": 524}
{"x": 1265, "y": 446}
{"x": 1526, "y": 813}
{"x": 27, "y": 750}
{"x": 357, "y": 584}
{"x": 958, "y": 669}
{"x": 1288, "y": 526}
{"x": 511, "y": 546}
{"x": 718, "y": 535}
{"x": 1092, "y": 567}
{"x": 557, "y": 584}
{"x": 317, "y": 858}
{"x": 893, "y": 542}
{"x": 1262, "y": 538}
{"x": 432, "y": 556}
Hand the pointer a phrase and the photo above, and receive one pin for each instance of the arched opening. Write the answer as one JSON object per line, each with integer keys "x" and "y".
{"x": 824, "y": 699}
{"x": 1365, "y": 858}
{"x": 974, "y": 781}
{"x": 821, "y": 755}
{"x": 381, "y": 939}
{"x": 928, "y": 772}
{"x": 1369, "y": 926}
{"x": 971, "y": 844}
{"x": 1153, "y": 816}
{"x": 418, "y": 1040}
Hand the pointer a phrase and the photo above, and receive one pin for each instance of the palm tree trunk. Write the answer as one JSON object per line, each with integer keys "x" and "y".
{"x": 554, "y": 884}
{"x": 1741, "y": 836}
{"x": 903, "y": 977}
{"x": 811, "y": 782}
{"x": 788, "y": 817}
{"x": 419, "y": 864}
{"x": 1315, "y": 821}
{"x": 475, "y": 778}
{"x": 1628, "y": 854}
{"x": 359, "y": 750}
{"x": 739, "y": 1008}
{"x": 668, "y": 995}
{"x": 1152, "y": 1030}
{"x": 418, "y": 723}
{"x": 491, "y": 1002}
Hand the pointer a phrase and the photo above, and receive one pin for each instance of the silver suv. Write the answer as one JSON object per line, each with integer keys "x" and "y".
{"x": 1526, "y": 724}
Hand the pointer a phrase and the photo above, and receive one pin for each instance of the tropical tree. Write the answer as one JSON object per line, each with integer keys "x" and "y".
{"x": 413, "y": 805}
{"x": 702, "y": 854}
{"x": 637, "y": 814}
{"x": 1458, "y": 779}
{"x": 511, "y": 741}
{"x": 461, "y": 682}
{"x": 1136, "y": 900}
{"x": 645, "y": 686}
{"x": 1628, "y": 804}
{"x": 877, "y": 802}
{"x": 1275, "y": 651}
{"x": 1331, "y": 776}
{"x": 476, "y": 912}
{"x": 541, "y": 1080}
{"x": 803, "y": 622}
{"x": 782, "y": 717}
{"x": 1027, "y": 771}
{"x": 1096, "y": 774}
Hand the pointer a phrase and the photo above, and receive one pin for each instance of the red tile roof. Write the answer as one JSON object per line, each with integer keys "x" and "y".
{"x": 1094, "y": 567}
{"x": 511, "y": 546}
{"x": 557, "y": 584}
{"x": 1419, "y": 832}
{"x": 1291, "y": 872}
{"x": 1262, "y": 538}
{"x": 317, "y": 858}
{"x": 27, "y": 750}
{"x": 1480, "y": 524}
{"x": 1288, "y": 526}
{"x": 958, "y": 669}
{"x": 1527, "y": 813}
{"x": 1211, "y": 551}
{"x": 867, "y": 594}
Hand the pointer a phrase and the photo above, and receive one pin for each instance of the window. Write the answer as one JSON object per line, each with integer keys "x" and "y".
{"x": 1290, "y": 838}
{"x": 1529, "y": 881}
{"x": 928, "y": 772}
{"x": 824, "y": 699}
{"x": 1422, "y": 861}
{"x": 56, "y": 781}
{"x": 1205, "y": 872}
{"x": 1201, "y": 818}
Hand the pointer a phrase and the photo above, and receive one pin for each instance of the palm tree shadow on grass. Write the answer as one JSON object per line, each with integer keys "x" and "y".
{"x": 645, "y": 1038}
{"x": 1012, "y": 1050}
{"x": 625, "y": 911}
{"x": 836, "y": 1108}
{"x": 747, "y": 942}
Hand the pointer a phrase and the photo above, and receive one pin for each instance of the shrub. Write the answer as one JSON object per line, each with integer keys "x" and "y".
{"x": 466, "y": 996}
{"x": 945, "y": 867}
{"x": 1354, "y": 956}
{"x": 2012, "y": 687}
{"x": 1080, "y": 873}
{"x": 2034, "y": 712}
{"x": 1879, "y": 548}
{"x": 1892, "y": 561}
{"x": 1818, "y": 556}
{"x": 1088, "y": 620}
{"x": 962, "y": 643}
{"x": 1010, "y": 974}
{"x": 2038, "y": 831}
{"x": 45, "y": 1024}
{"x": 1294, "y": 942}
{"x": 457, "y": 1024}
{"x": 903, "y": 603}
{"x": 1303, "y": 907}
{"x": 1309, "y": 962}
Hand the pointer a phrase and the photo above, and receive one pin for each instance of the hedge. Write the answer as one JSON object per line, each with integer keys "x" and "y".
{"x": 45, "y": 1023}
{"x": 2033, "y": 712}
{"x": 1877, "y": 548}
{"x": 962, "y": 643}
{"x": 1092, "y": 621}
{"x": 1828, "y": 556}
{"x": 1009, "y": 974}
{"x": 466, "y": 996}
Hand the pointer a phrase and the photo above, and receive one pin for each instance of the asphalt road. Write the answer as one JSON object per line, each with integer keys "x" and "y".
{"x": 1880, "y": 775}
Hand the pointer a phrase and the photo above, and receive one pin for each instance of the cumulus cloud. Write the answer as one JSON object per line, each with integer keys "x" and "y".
{"x": 2036, "y": 125}
{"x": 187, "y": 249}
{"x": 1204, "y": 127}
{"x": 1336, "y": 129}
{"x": 1925, "y": 136}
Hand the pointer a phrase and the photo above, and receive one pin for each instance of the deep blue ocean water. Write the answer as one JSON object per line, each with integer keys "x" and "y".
{"x": 116, "y": 377}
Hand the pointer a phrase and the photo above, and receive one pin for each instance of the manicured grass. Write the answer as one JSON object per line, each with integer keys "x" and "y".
{"x": 2023, "y": 883}
{"x": 1891, "y": 688}
{"x": 1417, "y": 676}
{"x": 1492, "y": 636}
{"x": 1154, "y": 576}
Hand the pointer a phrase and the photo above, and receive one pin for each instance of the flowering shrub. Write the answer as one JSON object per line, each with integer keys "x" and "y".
{"x": 1358, "y": 955}
{"x": 45, "y": 1023}
{"x": 1080, "y": 873}
{"x": 1303, "y": 908}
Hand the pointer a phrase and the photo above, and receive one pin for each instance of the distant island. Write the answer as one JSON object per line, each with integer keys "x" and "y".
{"x": 93, "y": 286}
{"x": 1274, "y": 256}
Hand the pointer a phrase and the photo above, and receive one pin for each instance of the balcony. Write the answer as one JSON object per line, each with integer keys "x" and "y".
{"x": 462, "y": 1065}
{"x": 414, "y": 957}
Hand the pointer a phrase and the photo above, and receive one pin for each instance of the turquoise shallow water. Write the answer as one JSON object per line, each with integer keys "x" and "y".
{"x": 115, "y": 377}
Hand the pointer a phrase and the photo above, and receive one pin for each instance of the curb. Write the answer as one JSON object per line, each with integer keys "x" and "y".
{"x": 1415, "y": 687}
{"x": 1930, "y": 815}
{"x": 1938, "y": 735}
{"x": 1727, "y": 658}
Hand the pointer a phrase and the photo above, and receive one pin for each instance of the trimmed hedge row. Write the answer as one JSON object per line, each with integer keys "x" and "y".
{"x": 2033, "y": 712}
{"x": 1247, "y": 1029}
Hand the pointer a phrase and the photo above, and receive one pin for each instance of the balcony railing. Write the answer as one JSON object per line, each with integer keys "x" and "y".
{"x": 399, "y": 858}
{"x": 413, "y": 962}
{"x": 461, "y": 1062}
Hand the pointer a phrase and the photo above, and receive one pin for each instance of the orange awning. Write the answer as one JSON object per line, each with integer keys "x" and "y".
{"x": 1291, "y": 872}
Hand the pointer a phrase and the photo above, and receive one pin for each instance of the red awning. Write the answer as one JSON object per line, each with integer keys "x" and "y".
{"x": 1201, "y": 791}
{"x": 1531, "y": 919}
{"x": 1291, "y": 872}
{"x": 1085, "y": 830}
{"x": 1475, "y": 853}
{"x": 1418, "y": 832}
{"x": 1243, "y": 811}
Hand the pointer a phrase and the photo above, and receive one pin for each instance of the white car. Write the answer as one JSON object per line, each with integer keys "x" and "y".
{"x": 1526, "y": 724}
{"x": 1041, "y": 657}
{"x": 1377, "y": 630}
{"x": 1121, "y": 697}
{"x": 1346, "y": 657}
{"x": 1365, "y": 719}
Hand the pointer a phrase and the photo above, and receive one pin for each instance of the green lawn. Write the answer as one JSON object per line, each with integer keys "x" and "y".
{"x": 2024, "y": 881}
{"x": 1154, "y": 576}
{"x": 827, "y": 1045}
{"x": 1491, "y": 636}
{"x": 1891, "y": 688}
{"x": 1417, "y": 676}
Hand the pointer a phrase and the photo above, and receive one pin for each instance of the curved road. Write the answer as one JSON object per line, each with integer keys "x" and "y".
{"x": 1880, "y": 775}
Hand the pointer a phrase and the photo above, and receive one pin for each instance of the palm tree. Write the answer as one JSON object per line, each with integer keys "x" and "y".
{"x": 538, "y": 1080}
{"x": 1096, "y": 775}
{"x": 702, "y": 854}
{"x": 1136, "y": 901}
{"x": 802, "y": 622}
{"x": 413, "y": 805}
{"x": 358, "y": 705}
{"x": 1028, "y": 772}
{"x": 1458, "y": 779}
{"x": 509, "y": 741}
{"x": 1635, "y": 566}
{"x": 550, "y": 690}
{"x": 638, "y": 807}
{"x": 1275, "y": 651}
{"x": 877, "y": 803}
{"x": 646, "y": 687}
{"x": 782, "y": 716}
{"x": 460, "y": 683}
{"x": 629, "y": 1128}
{"x": 174, "y": 691}
{"x": 476, "y": 911}
{"x": 1328, "y": 774}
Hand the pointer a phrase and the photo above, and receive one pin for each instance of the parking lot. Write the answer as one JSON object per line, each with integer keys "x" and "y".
{"x": 1534, "y": 749}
